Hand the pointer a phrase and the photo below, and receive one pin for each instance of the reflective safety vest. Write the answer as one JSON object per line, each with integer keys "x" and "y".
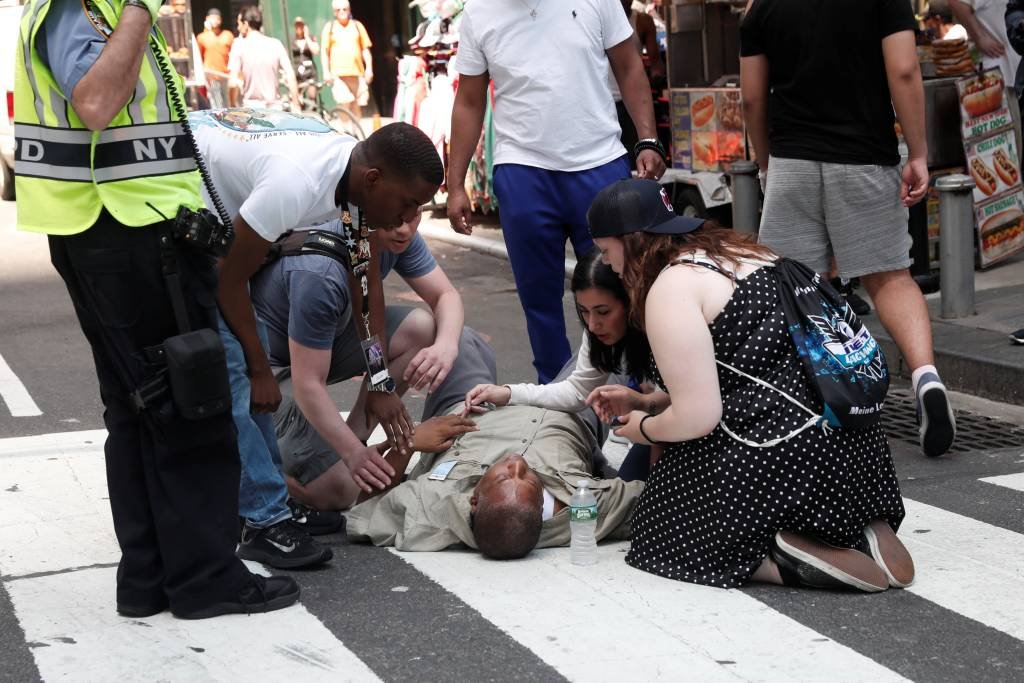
{"x": 65, "y": 173}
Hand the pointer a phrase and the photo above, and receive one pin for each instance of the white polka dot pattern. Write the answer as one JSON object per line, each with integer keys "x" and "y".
{"x": 712, "y": 505}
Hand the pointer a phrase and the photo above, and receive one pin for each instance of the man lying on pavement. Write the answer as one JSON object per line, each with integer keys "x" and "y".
{"x": 502, "y": 487}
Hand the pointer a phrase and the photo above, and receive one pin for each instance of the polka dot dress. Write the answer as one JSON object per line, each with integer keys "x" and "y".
{"x": 712, "y": 505}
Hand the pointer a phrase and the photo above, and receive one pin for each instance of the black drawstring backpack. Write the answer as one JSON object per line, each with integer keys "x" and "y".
{"x": 841, "y": 358}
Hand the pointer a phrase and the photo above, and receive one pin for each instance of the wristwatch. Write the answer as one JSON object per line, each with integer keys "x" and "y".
{"x": 386, "y": 387}
{"x": 152, "y": 7}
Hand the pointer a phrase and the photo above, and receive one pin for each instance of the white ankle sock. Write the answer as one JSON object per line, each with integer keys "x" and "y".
{"x": 915, "y": 376}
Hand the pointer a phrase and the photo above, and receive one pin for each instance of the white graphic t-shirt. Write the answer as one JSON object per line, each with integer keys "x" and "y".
{"x": 276, "y": 169}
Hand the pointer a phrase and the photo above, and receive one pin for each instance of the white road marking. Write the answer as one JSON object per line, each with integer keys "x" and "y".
{"x": 75, "y": 634}
{"x": 54, "y": 511}
{"x": 967, "y": 566}
{"x": 14, "y": 393}
{"x": 611, "y": 622}
{"x": 1010, "y": 481}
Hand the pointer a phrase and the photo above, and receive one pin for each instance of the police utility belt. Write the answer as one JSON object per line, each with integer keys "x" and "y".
{"x": 194, "y": 362}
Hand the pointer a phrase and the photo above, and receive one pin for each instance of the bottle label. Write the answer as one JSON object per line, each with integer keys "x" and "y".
{"x": 583, "y": 514}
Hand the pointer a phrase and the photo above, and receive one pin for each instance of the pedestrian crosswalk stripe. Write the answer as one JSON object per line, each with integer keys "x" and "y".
{"x": 967, "y": 566}
{"x": 14, "y": 393}
{"x": 54, "y": 511}
{"x": 603, "y": 622}
{"x": 75, "y": 634}
{"x": 612, "y": 622}
{"x": 1010, "y": 481}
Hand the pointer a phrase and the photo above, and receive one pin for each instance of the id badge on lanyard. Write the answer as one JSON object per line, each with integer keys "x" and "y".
{"x": 359, "y": 258}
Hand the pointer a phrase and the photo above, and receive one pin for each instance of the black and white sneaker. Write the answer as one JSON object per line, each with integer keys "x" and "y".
{"x": 937, "y": 425}
{"x": 806, "y": 562}
{"x": 1017, "y": 337}
{"x": 260, "y": 594}
{"x": 283, "y": 545}
{"x": 315, "y": 522}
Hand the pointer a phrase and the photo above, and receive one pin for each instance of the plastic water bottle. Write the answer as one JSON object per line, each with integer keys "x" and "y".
{"x": 583, "y": 525}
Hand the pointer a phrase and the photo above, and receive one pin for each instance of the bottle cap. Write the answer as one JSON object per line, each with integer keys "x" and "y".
{"x": 583, "y": 483}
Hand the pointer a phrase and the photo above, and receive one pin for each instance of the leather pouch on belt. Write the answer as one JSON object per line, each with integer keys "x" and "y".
{"x": 198, "y": 374}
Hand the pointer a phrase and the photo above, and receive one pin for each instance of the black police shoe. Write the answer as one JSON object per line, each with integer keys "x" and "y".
{"x": 141, "y": 611}
{"x": 809, "y": 563}
{"x": 260, "y": 594}
{"x": 283, "y": 545}
{"x": 315, "y": 522}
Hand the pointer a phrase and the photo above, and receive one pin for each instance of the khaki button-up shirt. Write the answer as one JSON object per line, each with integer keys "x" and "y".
{"x": 424, "y": 514}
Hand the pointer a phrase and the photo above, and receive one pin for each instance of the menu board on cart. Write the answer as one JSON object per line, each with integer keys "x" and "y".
{"x": 993, "y": 161}
{"x": 707, "y": 128}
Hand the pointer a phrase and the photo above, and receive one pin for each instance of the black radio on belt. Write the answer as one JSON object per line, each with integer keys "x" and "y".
{"x": 202, "y": 230}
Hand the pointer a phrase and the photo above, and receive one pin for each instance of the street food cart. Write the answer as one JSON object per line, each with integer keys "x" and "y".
{"x": 706, "y": 116}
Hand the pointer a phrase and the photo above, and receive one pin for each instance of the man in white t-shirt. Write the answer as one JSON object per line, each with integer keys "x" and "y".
{"x": 257, "y": 63}
{"x": 274, "y": 171}
{"x": 557, "y": 137}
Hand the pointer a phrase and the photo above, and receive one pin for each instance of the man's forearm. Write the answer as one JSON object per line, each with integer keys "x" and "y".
{"x": 450, "y": 315}
{"x": 317, "y": 405}
{"x": 636, "y": 95}
{"x": 368, "y": 61}
{"x": 756, "y": 115}
{"x": 107, "y": 86}
{"x": 907, "y": 93}
{"x": 754, "y": 91}
{"x": 467, "y": 123}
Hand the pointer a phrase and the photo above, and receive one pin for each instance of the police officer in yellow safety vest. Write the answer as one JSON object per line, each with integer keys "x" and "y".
{"x": 101, "y": 160}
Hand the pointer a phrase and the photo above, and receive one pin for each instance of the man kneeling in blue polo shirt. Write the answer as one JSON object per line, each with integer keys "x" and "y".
{"x": 306, "y": 304}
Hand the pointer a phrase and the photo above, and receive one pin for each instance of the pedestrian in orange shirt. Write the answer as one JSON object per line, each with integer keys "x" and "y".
{"x": 347, "y": 59}
{"x": 215, "y": 45}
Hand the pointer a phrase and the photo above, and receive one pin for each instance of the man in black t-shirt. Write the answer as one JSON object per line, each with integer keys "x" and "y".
{"x": 820, "y": 81}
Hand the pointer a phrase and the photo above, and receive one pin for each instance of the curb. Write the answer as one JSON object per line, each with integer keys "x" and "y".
{"x": 969, "y": 360}
{"x": 481, "y": 244}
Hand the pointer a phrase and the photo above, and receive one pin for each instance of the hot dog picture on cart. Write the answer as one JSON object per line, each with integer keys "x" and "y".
{"x": 992, "y": 156}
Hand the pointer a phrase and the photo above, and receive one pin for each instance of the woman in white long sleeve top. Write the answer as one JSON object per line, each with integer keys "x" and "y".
{"x": 610, "y": 345}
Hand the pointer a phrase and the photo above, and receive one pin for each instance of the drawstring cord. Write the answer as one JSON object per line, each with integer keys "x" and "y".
{"x": 815, "y": 420}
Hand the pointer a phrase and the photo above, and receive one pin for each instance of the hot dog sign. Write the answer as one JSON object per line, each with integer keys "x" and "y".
{"x": 992, "y": 160}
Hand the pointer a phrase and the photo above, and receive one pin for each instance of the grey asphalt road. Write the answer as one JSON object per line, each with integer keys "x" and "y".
{"x": 430, "y": 633}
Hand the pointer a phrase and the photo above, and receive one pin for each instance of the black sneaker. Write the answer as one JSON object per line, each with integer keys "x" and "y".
{"x": 810, "y": 563}
{"x": 937, "y": 425}
{"x": 283, "y": 546}
{"x": 1017, "y": 337}
{"x": 261, "y": 594}
{"x": 315, "y": 522}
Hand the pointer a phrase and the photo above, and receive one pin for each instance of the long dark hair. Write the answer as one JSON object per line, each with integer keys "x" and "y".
{"x": 591, "y": 273}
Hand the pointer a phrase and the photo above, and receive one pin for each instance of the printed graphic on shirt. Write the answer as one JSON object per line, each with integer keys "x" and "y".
{"x": 259, "y": 123}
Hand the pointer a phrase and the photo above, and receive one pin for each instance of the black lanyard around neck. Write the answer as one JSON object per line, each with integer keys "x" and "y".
{"x": 358, "y": 243}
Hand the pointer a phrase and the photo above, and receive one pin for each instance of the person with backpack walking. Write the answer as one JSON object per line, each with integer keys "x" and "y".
{"x": 822, "y": 122}
{"x": 748, "y": 488}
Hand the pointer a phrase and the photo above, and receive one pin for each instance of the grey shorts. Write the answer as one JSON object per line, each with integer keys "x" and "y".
{"x": 814, "y": 211}
{"x": 305, "y": 455}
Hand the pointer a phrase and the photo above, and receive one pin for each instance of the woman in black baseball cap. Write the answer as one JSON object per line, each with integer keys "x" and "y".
{"x": 740, "y": 492}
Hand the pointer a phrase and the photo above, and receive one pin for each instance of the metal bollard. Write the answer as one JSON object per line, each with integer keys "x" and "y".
{"x": 956, "y": 245}
{"x": 746, "y": 193}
